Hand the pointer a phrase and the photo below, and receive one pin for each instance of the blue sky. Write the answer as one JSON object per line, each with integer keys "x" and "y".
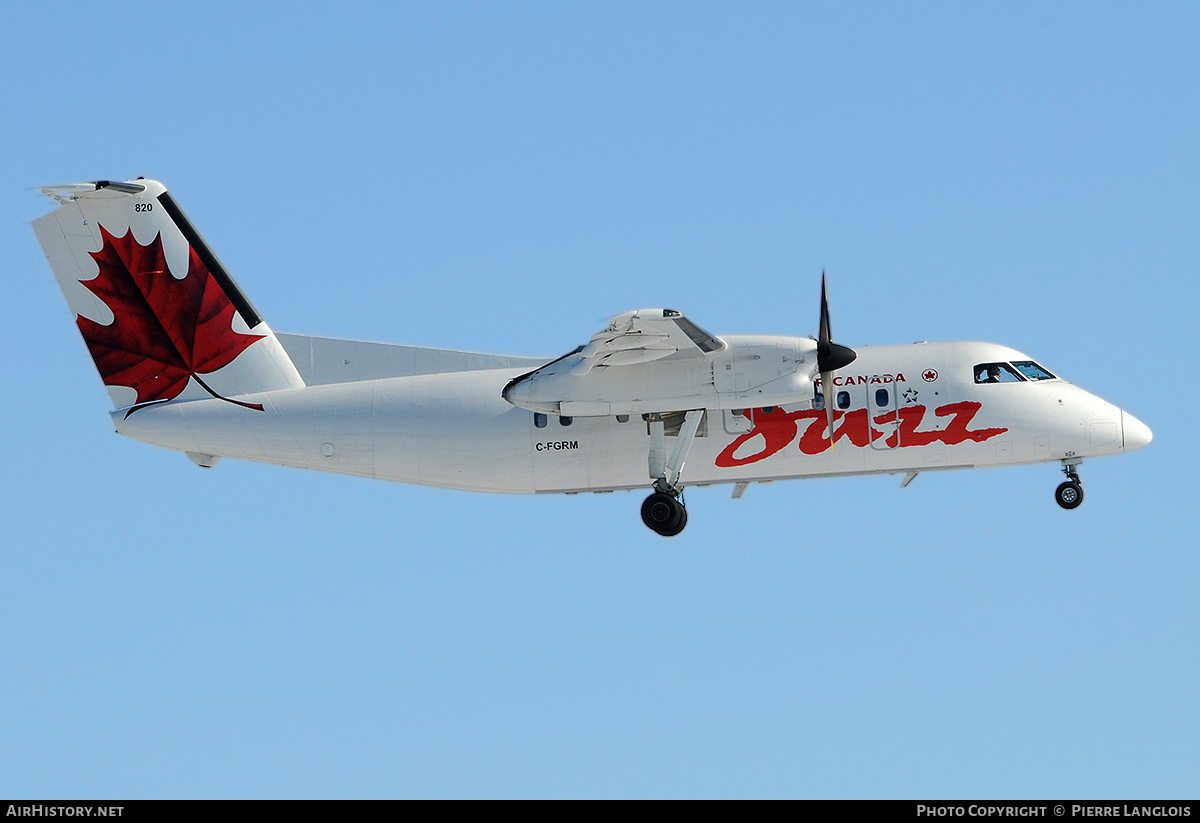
{"x": 505, "y": 177}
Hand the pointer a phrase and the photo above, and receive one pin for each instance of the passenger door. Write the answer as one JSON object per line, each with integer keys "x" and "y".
{"x": 882, "y": 401}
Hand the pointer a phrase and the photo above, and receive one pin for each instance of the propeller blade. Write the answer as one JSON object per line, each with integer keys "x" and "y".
{"x": 827, "y": 380}
{"x": 825, "y": 335}
{"x": 830, "y": 357}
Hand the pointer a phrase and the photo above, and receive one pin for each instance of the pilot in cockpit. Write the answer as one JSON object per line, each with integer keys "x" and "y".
{"x": 988, "y": 373}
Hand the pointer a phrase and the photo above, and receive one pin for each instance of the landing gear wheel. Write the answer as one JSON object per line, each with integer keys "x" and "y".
{"x": 678, "y": 526}
{"x": 1069, "y": 495}
{"x": 662, "y": 513}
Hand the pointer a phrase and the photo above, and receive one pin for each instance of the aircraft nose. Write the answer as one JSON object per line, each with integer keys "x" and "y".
{"x": 1137, "y": 433}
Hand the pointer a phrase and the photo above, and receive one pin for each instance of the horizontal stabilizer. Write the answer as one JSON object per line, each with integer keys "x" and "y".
{"x": 324, "y": 360}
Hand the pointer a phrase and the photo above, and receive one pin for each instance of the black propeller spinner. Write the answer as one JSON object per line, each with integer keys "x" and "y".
{"x": 830, "y": 357}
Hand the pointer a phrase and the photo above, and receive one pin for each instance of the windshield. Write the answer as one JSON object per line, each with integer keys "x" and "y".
{"x": 1032, "y": 370}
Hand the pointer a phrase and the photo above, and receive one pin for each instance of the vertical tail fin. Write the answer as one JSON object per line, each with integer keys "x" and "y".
{"x": 161, "y": 317}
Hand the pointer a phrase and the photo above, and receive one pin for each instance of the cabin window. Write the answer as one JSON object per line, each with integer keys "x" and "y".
{"x": 622, "y": 418}
{"x": 563, "y": 420}
{"x": 997, "y": 373}
{"x": 1032, "y": 371}
{"x": 843, "y": 400}
{"x": 768, "y": 409}
{"x": 881, "y": 397}
{"x": 539, "y": 420}
{"x": 818, "y": 401}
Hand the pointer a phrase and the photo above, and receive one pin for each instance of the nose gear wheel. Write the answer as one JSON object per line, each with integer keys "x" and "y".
{"x": 1069, "y": 494}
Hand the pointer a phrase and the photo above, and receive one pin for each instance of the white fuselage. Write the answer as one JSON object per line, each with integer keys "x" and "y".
{"x": 652, "y": 399}
{"x": 906, "y": 409}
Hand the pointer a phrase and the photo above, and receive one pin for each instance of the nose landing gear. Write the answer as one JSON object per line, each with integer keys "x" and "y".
{"x": 1070, "y": 494}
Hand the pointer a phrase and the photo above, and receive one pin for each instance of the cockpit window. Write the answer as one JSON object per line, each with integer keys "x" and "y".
{"x": 997, "y": 373}
{"x": 1032, "y": 370}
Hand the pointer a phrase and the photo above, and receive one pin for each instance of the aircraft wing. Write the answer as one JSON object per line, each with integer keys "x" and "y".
{"x": 644, "y": 336}
{"x": 654, "y": 361}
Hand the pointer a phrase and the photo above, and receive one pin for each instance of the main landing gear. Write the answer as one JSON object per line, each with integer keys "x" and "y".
{"x": 663, "y": 511}
{"x": 1070, "y": 494}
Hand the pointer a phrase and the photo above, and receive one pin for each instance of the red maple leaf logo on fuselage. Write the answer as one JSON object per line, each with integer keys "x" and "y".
{"x": 165, "y": 330}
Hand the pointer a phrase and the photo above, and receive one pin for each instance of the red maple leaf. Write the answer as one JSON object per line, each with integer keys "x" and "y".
{"x": 165, "y": 330}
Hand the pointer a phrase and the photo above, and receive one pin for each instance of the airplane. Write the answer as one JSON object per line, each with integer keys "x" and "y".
{"x": 650, "y": 402}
